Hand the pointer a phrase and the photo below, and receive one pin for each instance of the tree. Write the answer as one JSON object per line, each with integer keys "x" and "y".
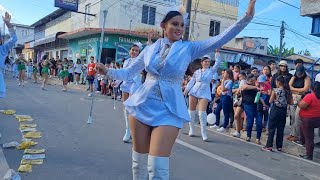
{"x": 274, "y": 51}
{"x": 305, "y": 52}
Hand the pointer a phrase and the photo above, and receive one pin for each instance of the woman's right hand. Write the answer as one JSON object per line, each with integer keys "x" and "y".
{"x": 101, "y": 68}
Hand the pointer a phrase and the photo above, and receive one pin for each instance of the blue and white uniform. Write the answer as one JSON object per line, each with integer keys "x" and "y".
{"x": 4, "y": 50}
{"x": 199, "y": 85}
{"x": 159, "y": 101}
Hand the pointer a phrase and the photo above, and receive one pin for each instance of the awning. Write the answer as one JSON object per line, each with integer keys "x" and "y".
{"x": 47, "y": 39}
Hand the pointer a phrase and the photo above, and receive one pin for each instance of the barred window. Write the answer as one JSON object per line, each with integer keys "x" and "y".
{"x": 148, "y": 15}
{"x": 214, "y": 28}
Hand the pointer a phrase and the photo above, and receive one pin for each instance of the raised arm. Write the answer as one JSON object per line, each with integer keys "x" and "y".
{"x": 4, "y": 49}
{"x": 217, "y": 63}
{"x": 127, "y": 73}
{"x": 200, "y": 48}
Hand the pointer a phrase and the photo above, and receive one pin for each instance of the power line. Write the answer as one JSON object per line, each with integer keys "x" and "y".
{"x": 289, "y": 4}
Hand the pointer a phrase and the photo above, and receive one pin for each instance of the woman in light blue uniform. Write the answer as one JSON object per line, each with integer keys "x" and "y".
{"x": 200, "y": 93}
{"x": 157, "y": 109}
{"x": 128, "y": 87}
{"x": 4, "y": 49}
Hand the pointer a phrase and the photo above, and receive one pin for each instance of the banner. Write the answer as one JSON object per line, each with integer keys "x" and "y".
{"x": 70, "y": 5}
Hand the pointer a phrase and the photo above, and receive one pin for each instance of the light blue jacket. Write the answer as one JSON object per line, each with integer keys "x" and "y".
{"x": 170, "y": 77}
{"x": 199, "y": 85}
{"x": 131, "y": 85}
{"x": 4, "y": 50}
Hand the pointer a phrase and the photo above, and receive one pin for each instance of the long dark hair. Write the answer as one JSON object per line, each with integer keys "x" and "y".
{"x": 283, "y": 73}
{"x": 230, "y": 74}
{"x": 316, "y": 89}
{"x": 169, "y": 16}
{"x": 285, "y": 84}
{"x": 270, "y": 74}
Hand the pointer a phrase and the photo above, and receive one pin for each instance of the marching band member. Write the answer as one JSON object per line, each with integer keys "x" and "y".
{"x": 4, "y": 49}
{"x": 157, "y": 109}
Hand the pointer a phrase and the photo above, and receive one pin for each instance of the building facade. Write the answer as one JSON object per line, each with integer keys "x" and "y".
{"x": 311, "y": 8}
{"x": 24, "y": 34}
{"x": 256, "y": 45}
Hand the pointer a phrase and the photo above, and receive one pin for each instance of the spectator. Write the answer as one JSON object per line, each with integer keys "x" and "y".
{"x": 265, "y": 89}
{"x": 310, "y": 117}
{"x": 91, "y": 74}
{"x": 254, "y": 71}
{"x": 299, "y": 84}
{"x": 252, "y": 110}
{"x": 281, "y": 97}
{"x": 297, "y": 63}
{"x": 273, "y": 67}
{"x": 283, "y": 71}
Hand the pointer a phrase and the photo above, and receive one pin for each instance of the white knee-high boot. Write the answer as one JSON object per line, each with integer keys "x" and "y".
{"x": 139, "y": 166}
{"x": 192, "y": 115}
{"x": 158, "y": 168}
{"x": 203, "y": 124}
{"x": 127, "y": 135}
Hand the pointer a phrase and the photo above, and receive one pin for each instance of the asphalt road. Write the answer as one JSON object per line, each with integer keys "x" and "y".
{"x": 76, "y": 150}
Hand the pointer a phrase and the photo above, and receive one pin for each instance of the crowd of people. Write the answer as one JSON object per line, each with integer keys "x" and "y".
{"x": 259, "y": 99}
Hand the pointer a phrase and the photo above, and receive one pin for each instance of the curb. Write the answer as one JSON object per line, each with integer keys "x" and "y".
{"x": 4, "y": 167}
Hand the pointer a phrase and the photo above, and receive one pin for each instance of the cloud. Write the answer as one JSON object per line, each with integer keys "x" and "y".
{"x": 272, "y": 7}
{"x": 3, "y": 10}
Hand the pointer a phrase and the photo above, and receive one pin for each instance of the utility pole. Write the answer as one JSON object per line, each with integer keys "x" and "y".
{"x": 187, "y": 25}
{"x": 282, "y": 33}
{"x": 102, "y": 34}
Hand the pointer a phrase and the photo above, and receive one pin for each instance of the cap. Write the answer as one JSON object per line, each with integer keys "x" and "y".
{"x": 298, "y": 61}
{"x": 206, "y": 57}
{"x": 283, "y": 63}
{"x": 317, "y": 77}
{"x": 138, "y": 44}
{"x": 262, "y": 78}
{"x": 300, "y": 69}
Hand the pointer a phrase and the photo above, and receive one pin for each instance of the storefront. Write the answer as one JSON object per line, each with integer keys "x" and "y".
{"x": 116, "y": 44}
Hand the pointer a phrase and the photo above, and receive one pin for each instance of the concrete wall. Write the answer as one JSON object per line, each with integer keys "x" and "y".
{"x": 310, "y": 7}
{"x": 61, "y": 24}
{"x": 253, "y": 45}
{"x": 24, "y": 34}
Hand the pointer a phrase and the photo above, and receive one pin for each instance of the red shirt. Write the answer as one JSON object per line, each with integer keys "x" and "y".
{"x": 264, "y": 88}
{"x": 91, "y": 71}
{"x": 313, "y": 110}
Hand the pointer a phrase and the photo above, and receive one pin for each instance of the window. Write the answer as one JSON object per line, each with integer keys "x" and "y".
{"x": 316, "y": 25}
{"x": 87, "y": 11}
{"x": 148, "y": 15}
{"x": 214, "y": 28}
{"x": 262, "y": 47}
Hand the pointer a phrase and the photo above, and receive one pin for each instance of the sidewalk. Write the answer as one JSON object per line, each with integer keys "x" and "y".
{"x": 288, "y": 146}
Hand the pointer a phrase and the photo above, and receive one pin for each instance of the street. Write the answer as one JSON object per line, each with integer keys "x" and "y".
{"x": 80, "y": 151}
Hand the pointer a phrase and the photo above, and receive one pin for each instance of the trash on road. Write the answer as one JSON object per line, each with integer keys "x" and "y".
{"x": 34, "y": 151}
{"x": 33, "y": 156}
{"x": 8, "y": 112}
{"x": 23, "y": 130}
{"x": 26, "y": 144}
{"x": 11, "y": 175}
{"x": 25, "y": 168}
{"x": 32, "y": 162}
{"x": 24, "y": 118}
{"x": 22, "y": 125}
{"x": 10, "y": 144}
{"x": 32, "y": 135}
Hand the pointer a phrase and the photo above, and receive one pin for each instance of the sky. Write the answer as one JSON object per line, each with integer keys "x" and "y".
{"x": 267, "y": 12}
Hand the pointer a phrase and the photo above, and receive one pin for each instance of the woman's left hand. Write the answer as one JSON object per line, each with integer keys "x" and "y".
{"x": 251, "y": 7}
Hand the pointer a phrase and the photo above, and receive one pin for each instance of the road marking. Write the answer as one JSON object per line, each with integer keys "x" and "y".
{"x": 226, "y": 161}
{"x": 286, "y": 154}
